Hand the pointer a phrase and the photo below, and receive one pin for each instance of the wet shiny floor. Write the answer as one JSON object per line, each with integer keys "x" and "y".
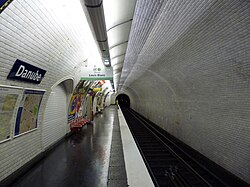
{"x": 82, "y": 160}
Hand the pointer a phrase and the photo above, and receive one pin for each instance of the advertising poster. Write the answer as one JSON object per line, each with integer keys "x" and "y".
{"x": 8, "y": 100}
{"x": 75, "y": 107}
{"x": 72, "y": 108}
{"x": 27, "y": 115}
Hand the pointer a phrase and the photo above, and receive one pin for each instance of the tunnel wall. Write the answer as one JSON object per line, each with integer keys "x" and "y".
{"x": 29, "y": 31}
{"x": 198, "y": 88}
{"x": 133, "y": 97}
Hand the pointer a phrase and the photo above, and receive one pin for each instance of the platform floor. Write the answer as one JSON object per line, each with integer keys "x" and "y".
{"x": 82, "y": 160}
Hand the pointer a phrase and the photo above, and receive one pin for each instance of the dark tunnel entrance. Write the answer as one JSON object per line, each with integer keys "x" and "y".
{"x": 123, "y": 100}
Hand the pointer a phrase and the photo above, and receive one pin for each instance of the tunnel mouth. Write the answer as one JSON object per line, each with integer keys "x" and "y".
{"x": 123, "y": 100}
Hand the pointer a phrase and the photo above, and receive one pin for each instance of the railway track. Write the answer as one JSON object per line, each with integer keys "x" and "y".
{"x": 167, "y": 163}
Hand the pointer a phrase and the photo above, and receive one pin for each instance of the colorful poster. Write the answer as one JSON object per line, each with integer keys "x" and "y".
{"x": 27, "y": 115}
{"x": 75, "y": 106}
{"x": 8, "y": 101}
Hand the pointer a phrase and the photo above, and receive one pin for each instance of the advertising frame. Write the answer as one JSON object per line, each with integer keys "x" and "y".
{"x": 19, "y": 93}
{"x": 20, "y": 116}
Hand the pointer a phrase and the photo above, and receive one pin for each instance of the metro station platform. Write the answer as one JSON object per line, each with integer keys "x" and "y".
{"x": 93, "y": 156}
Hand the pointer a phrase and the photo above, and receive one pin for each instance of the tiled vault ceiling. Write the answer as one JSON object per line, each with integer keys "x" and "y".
{"x": 118, "y": 17}
{"x": 156, "y": 26}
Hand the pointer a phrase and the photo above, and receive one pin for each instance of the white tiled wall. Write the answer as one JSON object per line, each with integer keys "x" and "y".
{"x": 198, "y": 87}
{"x": 55, "y": 117}
{"x": 35, "y": 32}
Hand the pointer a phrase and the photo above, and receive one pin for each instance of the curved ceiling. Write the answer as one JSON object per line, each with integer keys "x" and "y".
{"x": 118, "y": 18}
{"x": 157, "y": 27}
{"x": 118, "y": 60}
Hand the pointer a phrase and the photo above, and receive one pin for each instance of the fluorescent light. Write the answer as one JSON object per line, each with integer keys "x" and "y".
{"x": 106, "y": 62}
{"x": 77, "y": 32}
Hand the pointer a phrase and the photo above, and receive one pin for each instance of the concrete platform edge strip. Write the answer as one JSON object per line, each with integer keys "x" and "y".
{"x": 137, "y": 172}
{"x": 117, "y": 172}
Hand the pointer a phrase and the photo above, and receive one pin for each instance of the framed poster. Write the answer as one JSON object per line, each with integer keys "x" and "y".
{"x": 27, "y": 115}
{"x": 8, "y": 103}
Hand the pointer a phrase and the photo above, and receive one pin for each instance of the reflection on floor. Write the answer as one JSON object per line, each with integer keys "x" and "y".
{"x": 82, "y": 160}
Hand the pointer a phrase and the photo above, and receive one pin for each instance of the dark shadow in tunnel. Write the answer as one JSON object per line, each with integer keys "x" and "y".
{"x": 123, "y": 100}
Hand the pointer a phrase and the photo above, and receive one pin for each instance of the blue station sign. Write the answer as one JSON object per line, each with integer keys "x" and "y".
{"x": 4, "y": 4}
{"x": 26, "y": 72}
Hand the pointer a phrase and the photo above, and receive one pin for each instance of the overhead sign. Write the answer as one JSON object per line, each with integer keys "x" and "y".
{"x": 95, "y": 73}
{"x": 26, "y": 72}
{"x": 4, "y": 4}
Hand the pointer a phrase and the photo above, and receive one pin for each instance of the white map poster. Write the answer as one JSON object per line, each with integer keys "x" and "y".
{"x": 27, "y": 115}
{"x": 8, "y": 100}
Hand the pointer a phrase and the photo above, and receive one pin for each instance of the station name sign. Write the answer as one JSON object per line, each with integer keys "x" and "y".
{"x": 4, "y": 4}
{"x": 26, "y": 72}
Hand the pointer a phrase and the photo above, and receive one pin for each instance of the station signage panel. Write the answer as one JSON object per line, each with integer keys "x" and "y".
{"x": 23, "y": 71}
{"x": 97, "y": 73}
{"x": 4, "y": 4}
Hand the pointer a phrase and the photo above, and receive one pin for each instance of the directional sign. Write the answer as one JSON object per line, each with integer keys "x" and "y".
{"x": 97, "y": 73}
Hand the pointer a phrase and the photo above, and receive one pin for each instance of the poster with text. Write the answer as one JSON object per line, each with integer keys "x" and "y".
{"x": 8, "y": 101}
{"x": 27, "y": 115}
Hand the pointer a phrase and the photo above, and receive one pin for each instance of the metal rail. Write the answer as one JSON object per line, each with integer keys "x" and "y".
{"x": 179, "y": 149}
{"x": 185, "y": 171}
